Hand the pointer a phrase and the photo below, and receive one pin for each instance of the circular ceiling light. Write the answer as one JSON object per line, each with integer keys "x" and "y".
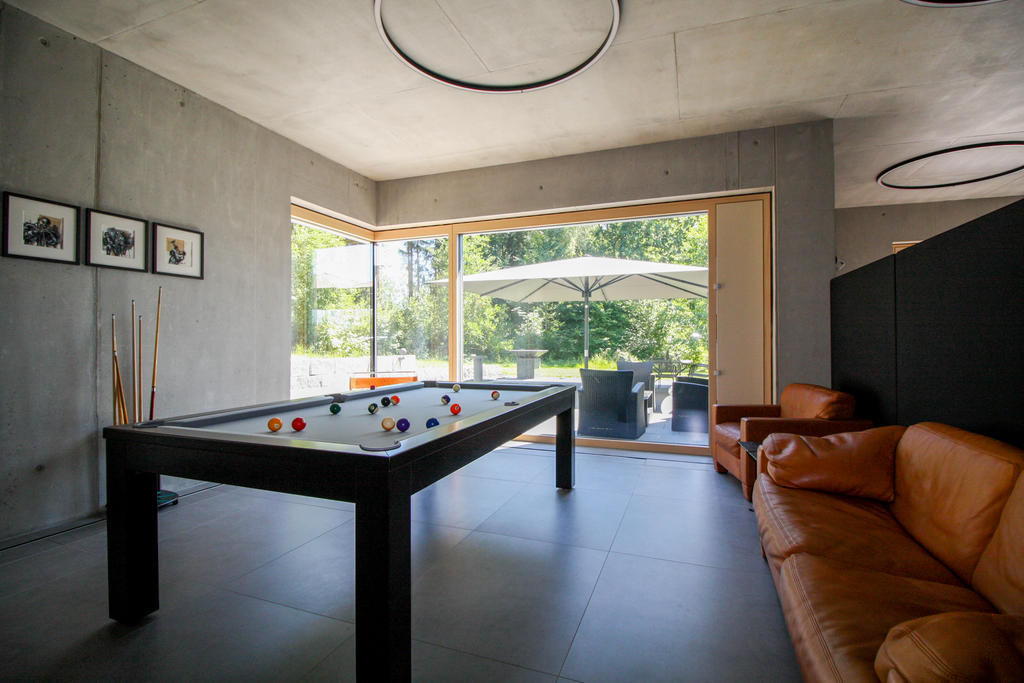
{"x": 616, "y": 6}
{"x": 955, "y": 166}
{"x": 950, "y": 3}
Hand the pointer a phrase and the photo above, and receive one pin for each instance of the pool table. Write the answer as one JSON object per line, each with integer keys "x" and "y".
{"x": 344, "y": 456}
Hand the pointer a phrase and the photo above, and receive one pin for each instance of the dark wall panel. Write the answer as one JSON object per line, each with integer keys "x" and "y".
{"x": 960, "y": 325}
{"x": 864, "y": 339}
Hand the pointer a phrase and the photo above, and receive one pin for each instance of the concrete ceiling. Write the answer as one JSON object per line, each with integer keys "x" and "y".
{"x": 898, "y": 79}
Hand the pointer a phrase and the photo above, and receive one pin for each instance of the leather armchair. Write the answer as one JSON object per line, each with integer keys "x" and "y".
{"x": 806, "y": 409}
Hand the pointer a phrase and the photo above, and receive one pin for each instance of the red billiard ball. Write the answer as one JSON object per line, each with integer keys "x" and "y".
{"x": 298, "y": 424}
{"x": 495, "y": 394}
{"x": 456, "y": 409}
{"x": 394, "y": 400}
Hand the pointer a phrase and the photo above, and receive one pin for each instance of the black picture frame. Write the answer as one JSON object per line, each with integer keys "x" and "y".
{"x": 26, "y": 236}
{"x": 105, "y": 237}
{"x": 171, "y": 243}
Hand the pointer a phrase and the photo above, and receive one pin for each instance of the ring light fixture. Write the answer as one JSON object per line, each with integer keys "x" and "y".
{"x": 950, "y": 3}
{"x": 616, "y": 6}
{"x": 949, "y": 150}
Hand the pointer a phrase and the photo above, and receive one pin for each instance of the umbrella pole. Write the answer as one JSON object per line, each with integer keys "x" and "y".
{"x": 586, "y": 328}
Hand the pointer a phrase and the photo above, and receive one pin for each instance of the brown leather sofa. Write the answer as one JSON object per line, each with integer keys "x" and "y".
{"x": 898, "y": 554}
{"x": 802, "y": 409}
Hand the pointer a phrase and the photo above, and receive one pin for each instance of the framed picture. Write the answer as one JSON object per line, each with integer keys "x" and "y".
{"x": 115, "y": 241}
{"x": 177, "y": 251}
{"x": 40, "y": 229}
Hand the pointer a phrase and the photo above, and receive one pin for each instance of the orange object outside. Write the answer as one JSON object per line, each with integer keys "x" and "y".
{"x": 367, "y": 382}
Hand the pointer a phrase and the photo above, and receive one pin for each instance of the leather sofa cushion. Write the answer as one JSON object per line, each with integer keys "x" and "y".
{"x": 852, "y": 463}
{"x": 838, "y": 616}
{"x": 951, "y": 486}
{"x": 811, "y": 400}
{"x": 955, "y": 646}
{"x": 858, "y": 531}
{"x": 727, "y": 434}
{"x": 999, "y": 575}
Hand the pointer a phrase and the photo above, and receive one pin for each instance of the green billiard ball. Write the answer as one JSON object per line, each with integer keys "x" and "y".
{"x": 335, "y": 408}
{"x": 372, "y": 408}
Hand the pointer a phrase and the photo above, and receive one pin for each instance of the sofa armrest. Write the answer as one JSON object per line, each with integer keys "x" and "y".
{"x": 953, "y": 646}
{"x": 758, "y": 428}
{"x": 734, "y": 413}
{"x": 851, "y": 463}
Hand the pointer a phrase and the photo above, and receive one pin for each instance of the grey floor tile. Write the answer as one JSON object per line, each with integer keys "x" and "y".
{"x": 54, "y": 562}
{"x": 319, "y": 576}
{"x": 234, "y": 544}
{"x": 654, "y": 620}
{"x": 689, "y": 484}
{"x": 581, "y": 517}
{"x": 700, "y": 531}
{"x": 462, "y": 502}
{"x": 20, "y": 552}
{"x": 510, "y": 465}
{"x": 430, "y": 664}
{"x": 514, "y": 600}
{"x": 53, "y": 622}
{"x": 600, "y": 473}
{"x": 219, "y": 637}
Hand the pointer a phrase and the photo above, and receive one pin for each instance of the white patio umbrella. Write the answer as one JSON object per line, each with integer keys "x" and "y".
{"x": 590, "y": 277}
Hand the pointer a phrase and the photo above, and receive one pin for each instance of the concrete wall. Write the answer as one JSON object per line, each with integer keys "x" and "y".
{"x": 866, "y": 234}
{"x": 796, "y": 160}
{"x": 80, "y": 125}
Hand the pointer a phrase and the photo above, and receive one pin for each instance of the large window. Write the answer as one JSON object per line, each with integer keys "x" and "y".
{"x": 332, "y": 312}
{"x": 544, "y": 303}
{"x": 412, "y": 314}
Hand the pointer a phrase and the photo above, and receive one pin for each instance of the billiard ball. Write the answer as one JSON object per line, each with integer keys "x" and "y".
{"x": 394, "y": 400}
{"x": 388, "y": 423}
{"x": 495, "y": 394}
{"x": 456, "y": 409}
{"x": 445, "y": 399}
{"x": 432, "y": 422}
{"x": 372, "y": 408}
{"x": 385, "y": 401}
{"x": 402, "y": 424}
{"x": 274, "y": 424}
{"x": 335, "y": 408}
{"x": 456, "y": 387}
{"x": 298, "y": 424}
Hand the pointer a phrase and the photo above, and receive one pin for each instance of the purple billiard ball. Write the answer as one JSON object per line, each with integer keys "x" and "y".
{"x": 432, "y": 422}
{"x": 402, "y": 424}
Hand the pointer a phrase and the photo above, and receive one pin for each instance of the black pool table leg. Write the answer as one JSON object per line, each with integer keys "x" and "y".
{"x": 383, "y": 577}
{"x": 565, "y": 447}
{"x": 132, "y": 558}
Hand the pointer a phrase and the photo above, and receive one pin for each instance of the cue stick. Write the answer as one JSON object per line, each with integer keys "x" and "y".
{"x": 135, "y": 402}
{"x": 156, "y": 348}
{"x": 138, "y": 386}
{"x": 121, "y": 412}
{"x": 113, "y": 361}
